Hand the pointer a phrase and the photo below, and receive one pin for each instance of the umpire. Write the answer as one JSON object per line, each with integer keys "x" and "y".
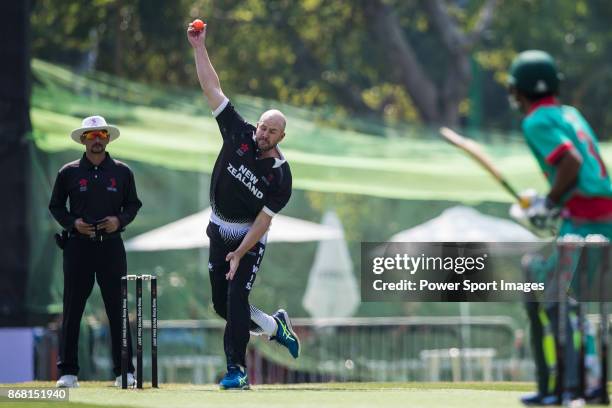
{"x": 102, "y": 201}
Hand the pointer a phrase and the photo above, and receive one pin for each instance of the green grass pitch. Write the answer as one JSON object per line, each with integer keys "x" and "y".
{"x": 332, "y": 395}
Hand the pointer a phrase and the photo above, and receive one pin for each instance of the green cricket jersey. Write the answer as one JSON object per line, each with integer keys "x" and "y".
{"x": 551, "y": 130}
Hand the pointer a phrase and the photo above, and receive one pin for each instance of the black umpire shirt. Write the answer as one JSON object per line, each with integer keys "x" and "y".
{"x": 242, "y": 184}
{"x": 94, "y": 192}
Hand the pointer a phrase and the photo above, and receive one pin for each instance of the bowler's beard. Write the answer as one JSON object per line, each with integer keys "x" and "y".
{"x": 264, "y": 146}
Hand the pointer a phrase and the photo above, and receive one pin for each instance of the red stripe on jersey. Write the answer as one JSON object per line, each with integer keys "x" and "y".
{"x": 559, "y": 151}
{"x": 547, "y": 101}
{"x": 589, "y": 208}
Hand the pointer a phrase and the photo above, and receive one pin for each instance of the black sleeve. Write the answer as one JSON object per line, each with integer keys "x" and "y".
{"x": 131, "y": 203}
{"x": 57, "y": 204}
{"x": 232, "y": 126}
{"x": 278, "y": 198}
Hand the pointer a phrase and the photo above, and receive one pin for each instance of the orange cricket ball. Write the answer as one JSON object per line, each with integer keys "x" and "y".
{"x": 198, "y": 24}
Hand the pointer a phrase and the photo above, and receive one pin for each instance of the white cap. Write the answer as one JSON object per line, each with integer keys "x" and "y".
{"x": 94, "y": 123}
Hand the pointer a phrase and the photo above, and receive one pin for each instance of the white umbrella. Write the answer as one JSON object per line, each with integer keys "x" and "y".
{"x": 465, "y": 224}
{"x": 190, "y": 232}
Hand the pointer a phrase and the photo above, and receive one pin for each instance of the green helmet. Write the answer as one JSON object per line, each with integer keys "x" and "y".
{"x": 534, "y": 73}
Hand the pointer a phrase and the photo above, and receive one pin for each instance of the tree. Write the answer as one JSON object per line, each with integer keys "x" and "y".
{"x": 404, "y": 60}
{"x": 437, "y": 102}
{"x": 576, "y": 33}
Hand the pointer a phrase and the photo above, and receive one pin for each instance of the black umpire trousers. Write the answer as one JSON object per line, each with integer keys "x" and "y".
{"x": 231, "y": 297}
{"x": 85, "y": 261}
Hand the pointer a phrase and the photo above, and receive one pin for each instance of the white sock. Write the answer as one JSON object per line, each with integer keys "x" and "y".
{"x": 264, "y": 321}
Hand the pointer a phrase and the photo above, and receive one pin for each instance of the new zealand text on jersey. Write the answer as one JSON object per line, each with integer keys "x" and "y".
{"x": 247, "y": 178}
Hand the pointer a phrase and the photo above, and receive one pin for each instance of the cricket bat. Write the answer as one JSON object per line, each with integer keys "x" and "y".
{"x": 475, "y": 151}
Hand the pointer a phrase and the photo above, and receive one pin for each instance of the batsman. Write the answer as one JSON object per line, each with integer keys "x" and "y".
{"x": 579, "y": 199}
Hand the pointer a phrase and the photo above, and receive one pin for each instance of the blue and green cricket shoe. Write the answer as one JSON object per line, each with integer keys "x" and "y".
{"x": 235, "y": 379}
{"x": 285, "y": 334}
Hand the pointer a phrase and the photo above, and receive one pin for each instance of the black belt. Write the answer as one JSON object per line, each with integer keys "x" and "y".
{"x": 95, "y": 238}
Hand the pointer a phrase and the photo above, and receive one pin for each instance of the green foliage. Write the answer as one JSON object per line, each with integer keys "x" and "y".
{"x": 576, "y": 33}
{"x": 322, "y": 53}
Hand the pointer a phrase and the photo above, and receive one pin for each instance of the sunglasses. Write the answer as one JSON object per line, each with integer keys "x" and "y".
{"x": 101, "y": 134}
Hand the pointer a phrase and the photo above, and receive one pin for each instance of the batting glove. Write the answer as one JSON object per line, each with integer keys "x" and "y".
{"x": 543, "y": 213}
{"x": 536, "y": 212}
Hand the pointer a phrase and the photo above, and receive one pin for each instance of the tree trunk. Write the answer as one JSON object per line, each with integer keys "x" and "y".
{"x": 436, "y": 103}
{"x": 118, "y": 46}
{"x": 402, "y": 57}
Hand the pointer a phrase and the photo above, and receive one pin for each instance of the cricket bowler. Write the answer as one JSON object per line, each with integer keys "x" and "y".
{"x": 251, "y": 183}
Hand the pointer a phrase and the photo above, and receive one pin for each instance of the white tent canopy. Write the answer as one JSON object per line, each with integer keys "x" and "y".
{"x": 190, "y": 232}
{"x": 465, "y": 224}
{"x": 332, "y": 289}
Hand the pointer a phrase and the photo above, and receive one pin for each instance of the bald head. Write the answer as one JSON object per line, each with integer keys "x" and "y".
{"x": 274, "y": 118}
{"x": 270, "y": 131}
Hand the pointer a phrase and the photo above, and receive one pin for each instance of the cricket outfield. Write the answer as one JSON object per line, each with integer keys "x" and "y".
{"x": 334, "y": 395}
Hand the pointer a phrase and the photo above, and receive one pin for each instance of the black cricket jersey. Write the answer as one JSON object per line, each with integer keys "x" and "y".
{"x": 243, "y": 185}
{"x": 94, "y": 192}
